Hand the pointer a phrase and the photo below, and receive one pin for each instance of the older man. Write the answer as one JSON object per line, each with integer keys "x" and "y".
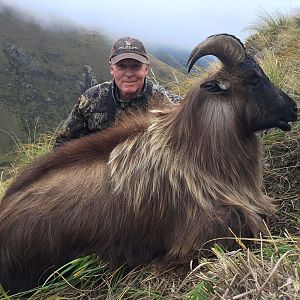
{"x": 97, "y": 108}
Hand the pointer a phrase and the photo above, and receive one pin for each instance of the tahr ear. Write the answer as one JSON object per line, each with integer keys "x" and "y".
{"x": 215, "y": 86}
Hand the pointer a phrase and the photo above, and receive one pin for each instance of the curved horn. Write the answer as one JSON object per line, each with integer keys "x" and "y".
{"x": 227, "y": 48}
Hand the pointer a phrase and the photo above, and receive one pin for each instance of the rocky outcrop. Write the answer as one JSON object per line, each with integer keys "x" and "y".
{"x": 88, "y": 79}
{"x": 18, "y": 58}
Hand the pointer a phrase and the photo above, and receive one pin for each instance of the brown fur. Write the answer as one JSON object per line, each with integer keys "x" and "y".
{"x": 159, "y": 184}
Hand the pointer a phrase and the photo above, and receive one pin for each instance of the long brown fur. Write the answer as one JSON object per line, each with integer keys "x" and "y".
{"x": 159, "y": 184}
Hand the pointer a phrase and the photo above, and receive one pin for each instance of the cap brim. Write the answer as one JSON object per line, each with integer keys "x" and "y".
{"x": 135, "y": 56}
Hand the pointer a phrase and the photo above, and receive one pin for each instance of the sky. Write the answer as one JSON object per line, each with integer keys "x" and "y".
{"x": 180, "y": 23}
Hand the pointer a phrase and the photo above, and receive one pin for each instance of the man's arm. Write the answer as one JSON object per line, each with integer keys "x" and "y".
{"x": 75, "y": 125}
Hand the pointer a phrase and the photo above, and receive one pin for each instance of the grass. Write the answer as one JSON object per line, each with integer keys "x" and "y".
{"x": 269, "y": 269}
{"x": 275, "y": 43}
{"x": 23, "y": 154}
{"x": 282, "y": 73}
{"x": 281, "y": 177}
{"x": 181, "y": 87}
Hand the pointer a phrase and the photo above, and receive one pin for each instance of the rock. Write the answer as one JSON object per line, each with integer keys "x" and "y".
{"x": 18, "y": 58}
{"x": 88, "y": 79}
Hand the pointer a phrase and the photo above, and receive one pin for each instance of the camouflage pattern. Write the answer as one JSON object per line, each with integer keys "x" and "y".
{"x": 96, "y": 109}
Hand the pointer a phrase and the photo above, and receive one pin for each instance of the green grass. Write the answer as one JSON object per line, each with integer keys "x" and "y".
{"x": 8, "y": 123}
{"x": 275, "y": 42}
{"x": 270, "y": 270}
{"x": 23, "y": 154}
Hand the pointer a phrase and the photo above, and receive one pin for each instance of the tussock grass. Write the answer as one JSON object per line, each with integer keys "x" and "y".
{"x": 281, "y": 178}
{"x": 283, "y": 72}
{"x": 270, "y": 270}
{"x": 23, "y": 154}
{"x": 275, "y": 43}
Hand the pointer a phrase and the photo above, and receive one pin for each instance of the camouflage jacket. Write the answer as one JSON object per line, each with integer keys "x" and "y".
{"x": 97, "y": 108}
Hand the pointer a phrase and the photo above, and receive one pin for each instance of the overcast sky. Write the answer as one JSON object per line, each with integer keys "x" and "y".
{"x": 180, "y": 23}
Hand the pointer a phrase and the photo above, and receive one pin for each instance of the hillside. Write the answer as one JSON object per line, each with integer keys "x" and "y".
{"x": 42, "y": 72}
{"x": 275, "y": 43}
{"x": 177, "y": 58}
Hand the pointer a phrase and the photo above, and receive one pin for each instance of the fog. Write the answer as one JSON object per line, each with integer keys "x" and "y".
{"x": 158, "y": 22}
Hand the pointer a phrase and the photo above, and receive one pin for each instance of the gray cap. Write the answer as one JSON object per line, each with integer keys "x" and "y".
{"x": 128, "y": 48}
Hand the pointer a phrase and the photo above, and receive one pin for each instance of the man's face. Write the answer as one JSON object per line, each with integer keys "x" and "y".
{"x": 129, "y": 75}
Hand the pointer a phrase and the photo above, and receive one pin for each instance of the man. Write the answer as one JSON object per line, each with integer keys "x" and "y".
{"x": 98, "y": 107}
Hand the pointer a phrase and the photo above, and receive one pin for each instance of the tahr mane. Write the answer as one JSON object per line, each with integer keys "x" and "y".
{"x": 223, "y": 166}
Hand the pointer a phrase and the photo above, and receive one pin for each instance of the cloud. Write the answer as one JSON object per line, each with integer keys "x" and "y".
{"x": 169, "y": 22}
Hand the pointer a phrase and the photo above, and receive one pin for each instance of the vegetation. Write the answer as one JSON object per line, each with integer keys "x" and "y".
{"x": 275, "y": 42}
{"x": 269, "y": 269}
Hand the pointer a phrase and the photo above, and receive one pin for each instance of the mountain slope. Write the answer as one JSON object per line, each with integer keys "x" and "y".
{"x": 42, "y": 72}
